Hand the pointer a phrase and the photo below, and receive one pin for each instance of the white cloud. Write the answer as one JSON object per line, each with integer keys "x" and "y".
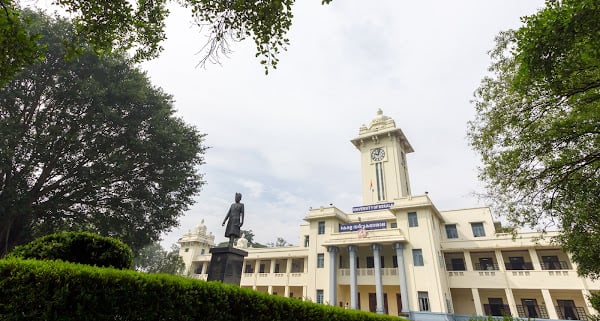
{"x": 283, "y": 140}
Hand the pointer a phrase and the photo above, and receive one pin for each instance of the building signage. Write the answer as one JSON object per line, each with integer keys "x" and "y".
{"x": 376, "y": 225}
{"x": 372, "y": 207}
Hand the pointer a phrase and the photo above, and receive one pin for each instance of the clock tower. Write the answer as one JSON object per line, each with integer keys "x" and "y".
{"x": 383, "y": 149}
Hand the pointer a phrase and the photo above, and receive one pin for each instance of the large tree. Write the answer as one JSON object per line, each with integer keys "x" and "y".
{"x": 538, "y": 126}
{"x": 153, "y": 258}
{"x": 138, "y": 26}
{"x": 90, "y": 144}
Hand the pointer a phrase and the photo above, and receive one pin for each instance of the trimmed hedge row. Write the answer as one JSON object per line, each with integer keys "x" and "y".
{"x": 55, "y": 290}
{"x": 77, "y": 247}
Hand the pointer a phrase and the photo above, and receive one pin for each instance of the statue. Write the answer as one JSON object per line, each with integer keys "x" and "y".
{"x": 236, "y": 219}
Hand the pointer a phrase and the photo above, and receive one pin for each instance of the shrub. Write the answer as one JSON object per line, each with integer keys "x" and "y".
{"x": 77, "y": 247}
{"x": 51, "y": 290}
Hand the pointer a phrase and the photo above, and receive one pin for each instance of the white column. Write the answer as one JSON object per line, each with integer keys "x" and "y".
{"x": 549, "y": 304}
{"x": 270, "y": 289}
{"x": 511, "y": 302}
{"x": 332, "y": 274}
{"x": 378, "y": 282}
{"x": 399, "y": 247}
{"x": 353, "y": 250}
{"x": 586, "y": 296}
{"x": 272, "y": 267}
{"x": 288, "y": 271}
{"x": 204, "y": 267}
{"x": 477, "y": 302}
{"x": 256, "y": 266}
{"x": 535, "y": 261}
{"x": 256, "y": 269}
{"x": 468, "y": 261}
{"x": 500, "y": 260}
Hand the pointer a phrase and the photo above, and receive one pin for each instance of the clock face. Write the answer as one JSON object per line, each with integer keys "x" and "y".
{"x": 377, "y": 154}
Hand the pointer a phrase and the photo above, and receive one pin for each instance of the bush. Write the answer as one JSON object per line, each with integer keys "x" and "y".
{"x": 52, "y": 290}
{"x": 77, "y": 247}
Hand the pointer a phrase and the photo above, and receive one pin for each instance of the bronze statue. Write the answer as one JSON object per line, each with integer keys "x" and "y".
{"x": 236, "y": 219}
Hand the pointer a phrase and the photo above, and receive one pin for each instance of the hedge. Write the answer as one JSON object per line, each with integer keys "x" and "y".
{"x": 77, "y": 247}
{"x": 55, "y": 290}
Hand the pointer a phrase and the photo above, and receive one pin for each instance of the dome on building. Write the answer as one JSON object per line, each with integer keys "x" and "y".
{"x": 200, "y": 228}
{"x": 381, "y": 121}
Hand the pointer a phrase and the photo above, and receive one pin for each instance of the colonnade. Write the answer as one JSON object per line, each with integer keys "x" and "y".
{"x": 353, "y": 252}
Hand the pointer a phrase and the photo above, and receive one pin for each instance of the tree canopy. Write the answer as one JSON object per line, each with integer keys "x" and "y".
{"x": 139, "y": 27}
{"x": 153, "y": 258}
{"x": 537, "y": 126}
{"x": 90, "y": 144}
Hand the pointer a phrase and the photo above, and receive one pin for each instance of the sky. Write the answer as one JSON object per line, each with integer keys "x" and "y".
{"x": 283, "y": 140}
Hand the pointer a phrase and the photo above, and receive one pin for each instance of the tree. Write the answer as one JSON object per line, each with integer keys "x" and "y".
{"x": 248, "y": 235}
{"x": 18, "y": 47}
{"x": 538, "y": 126}
{"x": 280, "y": 242}
{"x": 89, "y": 144}
{"x": 154, "y": 259}
{"x": 139, "y": 27}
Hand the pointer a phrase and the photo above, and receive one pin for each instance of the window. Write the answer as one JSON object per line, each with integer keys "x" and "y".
{"x": 371, "y": 262}
{"x": 551, "y": 263}
{"x": 306, "y": 240}
{"x": 320, "y": 260}
{"x": 451, "y": 231}
{"x": 202, "y": 252}
{"x": 394, "y": 225}
{"x": 320, "y": 296}
{"x": 394, "y": 261}
{"x": 261, "y": 268}
{"x": 423, "y": 301}
{"x": 567, "y": 310}
{"x": 248, "y": 268}
{"x": 496, "y": 307}
{"x": 531, "y": 308}
{"x": 341, "y": 264}
{"x": 478, "y": 230}
{"x": 417, "y": 257}
{"x": 458, "y": 264}
{"x": 187, "y": 249}
{"x": 321, "y": 228}
{"x": 516, "y": 263}
{"x": 413, "y": 221}
{"x": 486, "y": 263}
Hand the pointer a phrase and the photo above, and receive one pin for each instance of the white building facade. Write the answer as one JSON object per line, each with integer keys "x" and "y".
{"x": 398, "y": 254}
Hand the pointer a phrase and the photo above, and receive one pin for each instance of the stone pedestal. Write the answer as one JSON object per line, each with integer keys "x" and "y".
{"x": 226, "y": 265}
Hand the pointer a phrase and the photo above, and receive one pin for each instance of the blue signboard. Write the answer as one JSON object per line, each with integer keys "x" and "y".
{"x": 376, "y": 225}
{"x": 372, "y": 207}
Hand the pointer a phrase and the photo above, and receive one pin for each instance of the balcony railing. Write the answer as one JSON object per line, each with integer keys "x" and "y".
{"x": 486, "y": 267}
{"x": 532, "y": 311}
{"x": 562, "y": 265}
{"x": 571, "y": 313}
{"x": 455, "y": 267}
{"x": 496, "y": 309}
{"x": 519, "y": 266}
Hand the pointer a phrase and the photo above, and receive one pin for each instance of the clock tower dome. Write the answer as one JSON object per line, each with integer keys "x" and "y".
{"x": 383, "y": 149}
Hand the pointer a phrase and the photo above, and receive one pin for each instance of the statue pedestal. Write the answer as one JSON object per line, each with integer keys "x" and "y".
{"x": 226, "y": 265}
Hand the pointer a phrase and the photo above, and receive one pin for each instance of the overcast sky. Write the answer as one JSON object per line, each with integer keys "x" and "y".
{"x": 283, "y": 140}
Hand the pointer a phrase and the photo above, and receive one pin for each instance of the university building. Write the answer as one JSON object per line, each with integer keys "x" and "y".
{"x": 398, "y": 254}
